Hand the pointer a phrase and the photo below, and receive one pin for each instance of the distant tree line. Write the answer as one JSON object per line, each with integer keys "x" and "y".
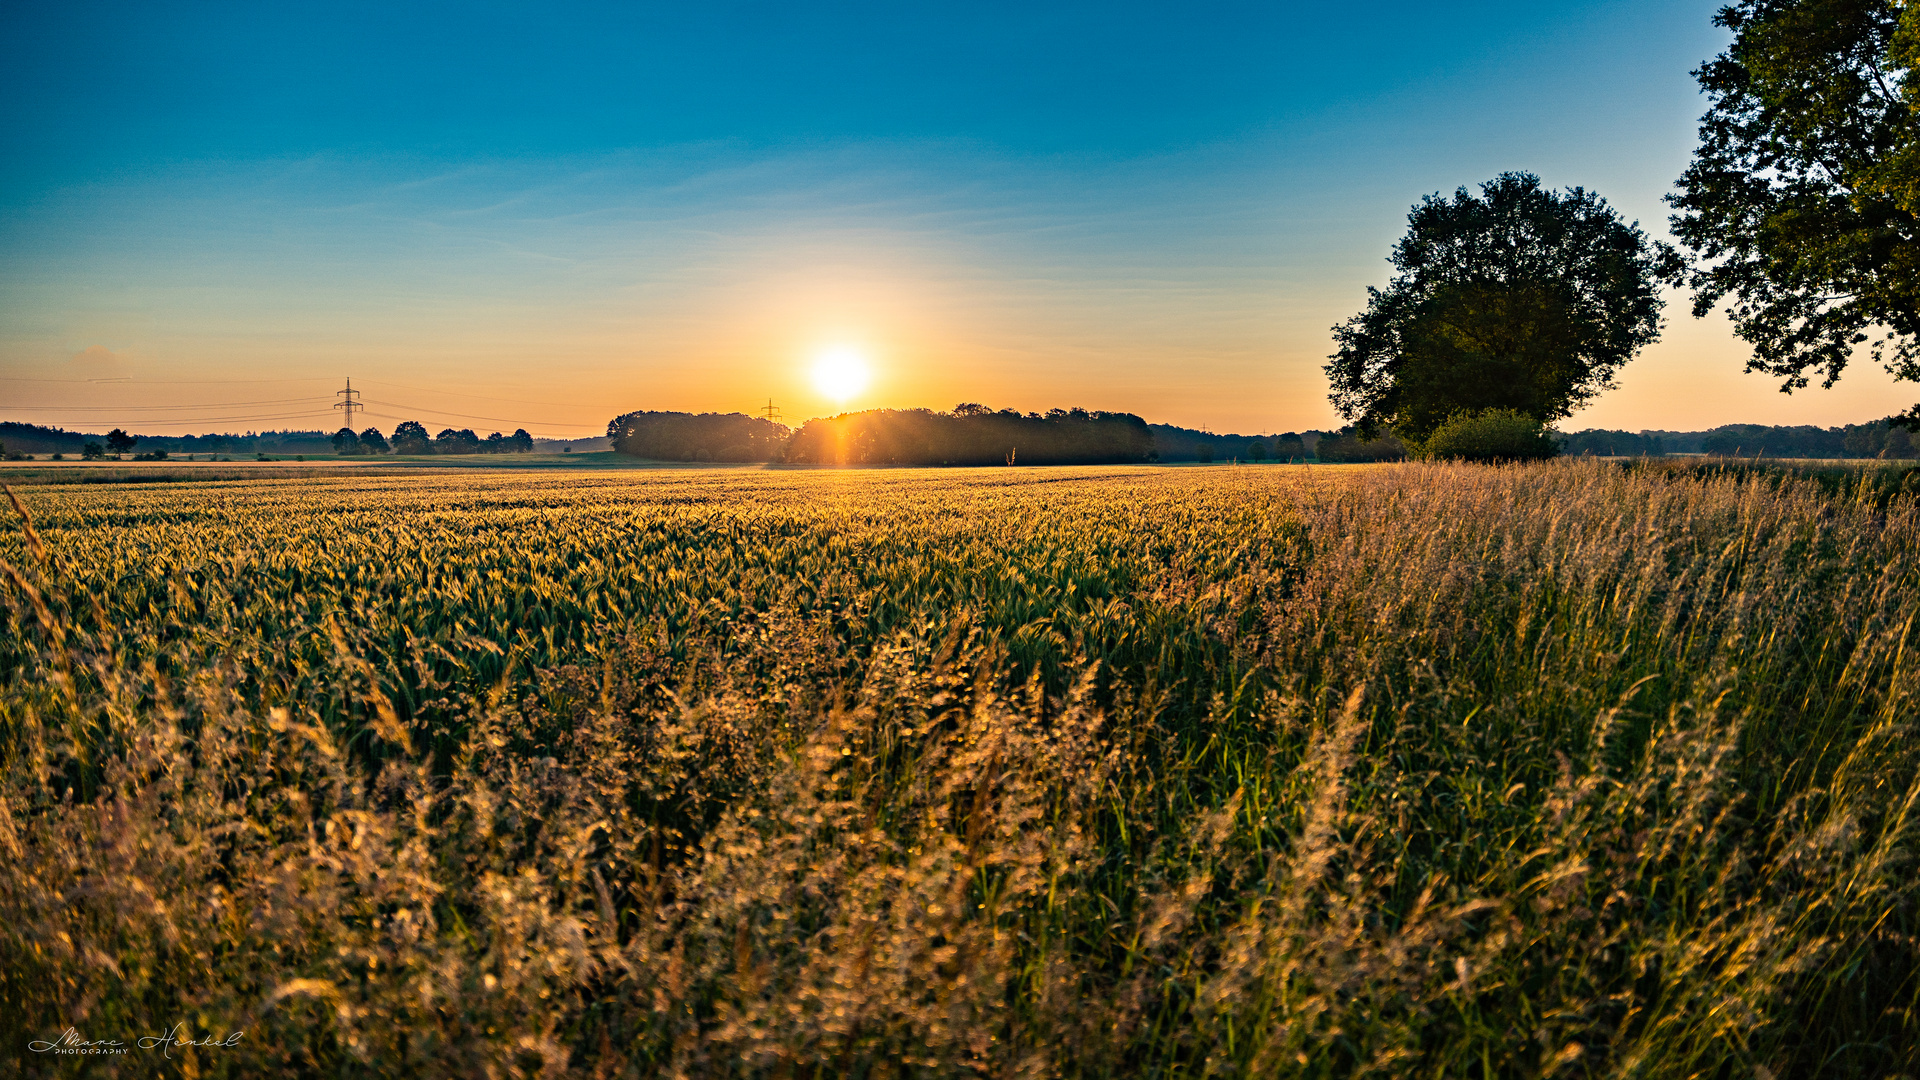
{"x": 1350, "y": 444}
{"x": 678, "y": 436}
{"x": 970, "y": 434}
{"x": 1878, "y": 439}
{"x": 1601, "y": 443}
{"x": 1172, "y": 443}
{"x": 410, "y": 437}
{"x": 973, "y": 435}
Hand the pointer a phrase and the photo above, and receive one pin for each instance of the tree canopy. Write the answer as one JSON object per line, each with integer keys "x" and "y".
{"x": 1802, "y": 203}
{"x": 1519, "y": 298}
{"x": 456, "y": 441}
{"x": 410, "y": 437}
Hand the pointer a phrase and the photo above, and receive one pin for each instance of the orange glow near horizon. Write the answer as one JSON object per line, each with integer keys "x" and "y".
{"x": 932, "y": 325}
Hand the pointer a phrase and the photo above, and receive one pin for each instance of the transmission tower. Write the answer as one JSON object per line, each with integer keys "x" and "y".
{"x": 348, "y": 403}
{"x": 770, "y": 412}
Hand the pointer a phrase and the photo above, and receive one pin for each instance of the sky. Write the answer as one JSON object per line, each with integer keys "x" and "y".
{"x": 540, "y": 216}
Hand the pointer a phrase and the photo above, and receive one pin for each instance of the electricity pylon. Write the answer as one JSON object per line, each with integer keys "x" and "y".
{"x": 771, "y": 413}
{"x": 349, "y": 404}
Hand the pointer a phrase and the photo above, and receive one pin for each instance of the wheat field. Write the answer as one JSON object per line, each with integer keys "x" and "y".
{"x": 1417, "y": 770}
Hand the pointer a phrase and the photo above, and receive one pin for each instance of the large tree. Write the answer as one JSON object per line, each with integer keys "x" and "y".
{"x": 1802, "y": 203}
{"x": 1518, "y": 298}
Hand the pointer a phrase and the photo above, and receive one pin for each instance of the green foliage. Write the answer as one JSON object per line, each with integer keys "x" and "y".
{"x": 1426, "y": 771}
{"x": 1801, "y": 197}
{"x": 1520, "y": 298}
{"x": 373, "y": 442}
{"x": 1491, "y": 435}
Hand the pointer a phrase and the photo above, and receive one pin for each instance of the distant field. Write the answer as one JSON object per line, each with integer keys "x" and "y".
{"x": 246, "y": 467}
{"x": 1571, "y": 769}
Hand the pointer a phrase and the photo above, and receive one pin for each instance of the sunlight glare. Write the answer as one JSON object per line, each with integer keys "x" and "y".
{"x": 840, "y": 373}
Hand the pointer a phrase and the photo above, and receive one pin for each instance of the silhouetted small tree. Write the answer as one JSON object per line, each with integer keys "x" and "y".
{"x": 520, "y": 442}
{"x": 120, "y": 442}
{"x": 374, "y": 442}
{"x": 461, "y": 441}
{"x": 411, "y": 438}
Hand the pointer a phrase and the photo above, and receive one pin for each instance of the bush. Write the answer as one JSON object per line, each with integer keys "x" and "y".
{"x": 1491, "y": 435}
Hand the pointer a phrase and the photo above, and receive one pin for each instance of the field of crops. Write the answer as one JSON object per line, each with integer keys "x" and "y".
{"x": 1414, "y": 770}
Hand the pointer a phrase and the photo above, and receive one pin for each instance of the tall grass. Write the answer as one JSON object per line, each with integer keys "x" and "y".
{"x": 1421, "y": 770}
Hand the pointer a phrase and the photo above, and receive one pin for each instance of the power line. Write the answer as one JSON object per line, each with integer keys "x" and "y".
{"x": 222, "y": 419}
{"x": 352, "y": 404}
{"x": 477, "y": 397}
{"x": 398, "y": 418}
{"x": 225, "y": 382}
{"x": 158, "y": 382}
{"x": 157, "y": 408}
{"x": 463, "y": 416}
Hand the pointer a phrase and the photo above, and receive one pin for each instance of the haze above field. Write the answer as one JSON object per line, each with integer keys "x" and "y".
{"x": 544, "y": 217}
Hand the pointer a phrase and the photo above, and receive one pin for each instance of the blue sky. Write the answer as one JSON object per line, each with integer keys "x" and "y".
{"x": 546, "y": 214}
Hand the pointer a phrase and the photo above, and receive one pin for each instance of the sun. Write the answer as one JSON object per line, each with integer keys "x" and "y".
{"x": 840, "y": 373}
